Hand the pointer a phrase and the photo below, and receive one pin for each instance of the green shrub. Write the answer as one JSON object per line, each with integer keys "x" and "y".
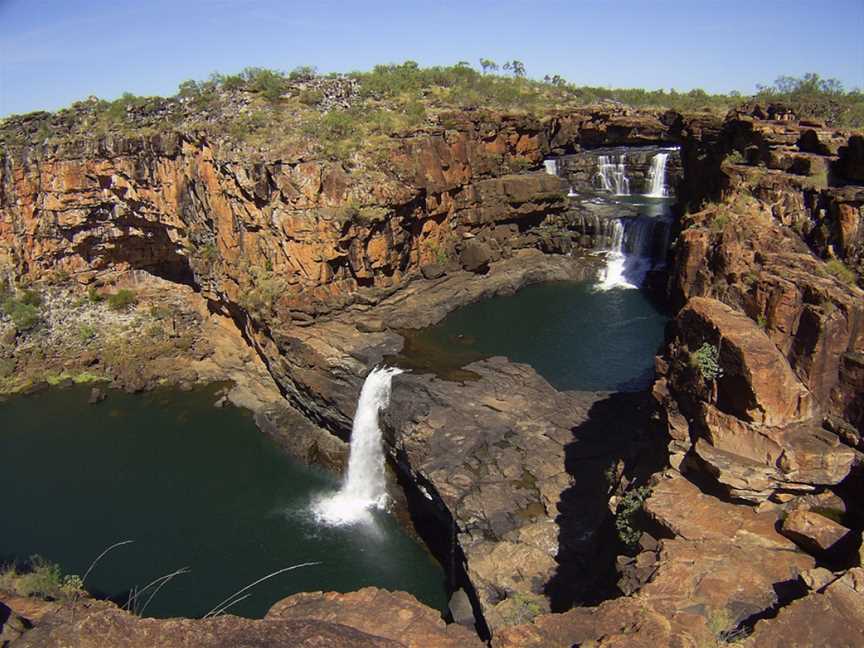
{"x": 41, "y": 579}
{"x": 836, "y": 268}
{"x": 122, "y": 300}
{"x": 23, "y": 312}
{"x": 7, "y": 367}
{"x": 93, "y": 295}
{"x": 707, "y": 360}
{"x": 271, "y": 84}
{"x": 719, "y": 223}
{"x": 86, "y": 332}
{"x": 628, "y": 506}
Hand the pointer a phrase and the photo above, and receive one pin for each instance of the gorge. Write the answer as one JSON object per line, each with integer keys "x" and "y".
{"x": 563, "y": 507}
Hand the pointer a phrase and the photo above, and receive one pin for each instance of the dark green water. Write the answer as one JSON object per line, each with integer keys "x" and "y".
{"x": 574, "y": 336}
{"x": 194, "y": 486}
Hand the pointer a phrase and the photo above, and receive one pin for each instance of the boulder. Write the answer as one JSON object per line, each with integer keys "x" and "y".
{"x": 476, "y": 257}
{"x": 757, "y": 383}
{"x": 813, "y": 532}
{"x": 432, "y": 270}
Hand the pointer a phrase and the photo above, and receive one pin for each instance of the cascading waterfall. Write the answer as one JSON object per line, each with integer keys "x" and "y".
{"x": 364, "y": 485}
{"x": 630, "y": 254}
{"x": 657, "y": 176}
{"x": 551, "y": 166}
{"x": 612, "y": 171}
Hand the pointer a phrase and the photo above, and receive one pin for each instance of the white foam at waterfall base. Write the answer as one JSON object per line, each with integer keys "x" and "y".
{"x": 364, "y": 487}
{"x": 657, "y": 176}
{"x": 627, "y": 270}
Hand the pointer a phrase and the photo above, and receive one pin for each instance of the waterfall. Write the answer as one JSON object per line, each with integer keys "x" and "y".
{"x": 612, "y": 171}
{"x": 657, "y": 176}
{"x": 631, "y": 252}
{"x": 364, "y": 485}
{"x": 551, "y": 166}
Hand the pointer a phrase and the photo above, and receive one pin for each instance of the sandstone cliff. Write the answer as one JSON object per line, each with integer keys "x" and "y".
{"x": 316, "y": 261}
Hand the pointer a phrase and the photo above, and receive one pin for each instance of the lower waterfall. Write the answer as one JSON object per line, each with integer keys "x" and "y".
{"x": 364, "y": 485}
{"x": 632, "y": 250}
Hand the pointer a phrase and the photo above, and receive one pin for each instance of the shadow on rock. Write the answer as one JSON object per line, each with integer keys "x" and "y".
{"x": 617, "y": 445}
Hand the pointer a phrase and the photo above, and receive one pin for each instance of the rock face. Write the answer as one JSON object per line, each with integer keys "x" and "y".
{"x": 759, "y": 385}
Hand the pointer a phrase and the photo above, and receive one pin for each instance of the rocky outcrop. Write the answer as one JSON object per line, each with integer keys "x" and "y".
{"x": 369, "y": 618}
{"x": 830, "y": 616}
{"x": 396, "y": 616}
{"x": 718, "y": 565}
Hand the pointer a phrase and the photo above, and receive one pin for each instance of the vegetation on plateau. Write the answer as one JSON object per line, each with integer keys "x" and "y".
{"x": 331, "y": 115}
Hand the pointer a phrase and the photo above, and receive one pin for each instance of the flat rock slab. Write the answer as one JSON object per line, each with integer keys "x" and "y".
{"x": 397, "y": 616}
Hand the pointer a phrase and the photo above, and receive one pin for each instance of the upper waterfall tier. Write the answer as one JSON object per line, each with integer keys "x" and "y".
{"x": 650, "y": 171}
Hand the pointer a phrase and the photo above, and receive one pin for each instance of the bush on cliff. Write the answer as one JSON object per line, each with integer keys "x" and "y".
{"x": 122, "y": 300}
{"x": 23, "y": 310}
{"x": 707, "y": 360}
{"x": 625, "y": 515}
{"x": 836, "y": 268}
{"x": 40, "y": 578}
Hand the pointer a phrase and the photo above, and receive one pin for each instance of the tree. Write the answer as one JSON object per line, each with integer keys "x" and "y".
{"x": 518, "y": 68}
{"x": 488, "y": 65}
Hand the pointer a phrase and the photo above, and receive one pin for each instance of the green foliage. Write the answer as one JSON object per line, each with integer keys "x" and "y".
{"x": 41, "y": 579}
{"x": 159, "y": 312}
{"x": 817, "y": 98}
{"x": 86, "y": 332}
{"x": 269, "y": 83}
{"x": 719, "y": 223}
{"x": 629, "y": 505}
{"x": 7, "y": 367}
{"x": 707, "y": 360}
{"x": 93, "y": 295}
{"x": 302, "y": 73}
{"x": 122, "y": 300}
{"x": 260, "y": 293}
{"x": 23, "y": 310}
{"x": 762, "y": 321}
{"x": 836, "y": 268}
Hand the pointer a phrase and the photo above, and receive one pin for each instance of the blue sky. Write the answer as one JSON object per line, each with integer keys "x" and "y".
{"x": 53, "y": 52}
